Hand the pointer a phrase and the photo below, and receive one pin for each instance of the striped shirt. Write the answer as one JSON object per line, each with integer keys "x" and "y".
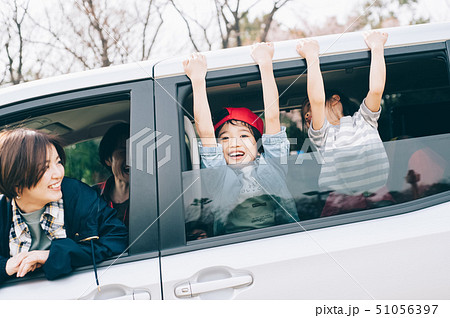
{"x": 355, "y": 160}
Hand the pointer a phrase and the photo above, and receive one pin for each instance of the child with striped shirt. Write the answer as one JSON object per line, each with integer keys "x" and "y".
{"x": 355, "y": 161}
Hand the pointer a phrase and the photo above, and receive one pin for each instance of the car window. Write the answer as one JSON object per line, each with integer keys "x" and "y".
{"x": 83, "y": 163}
{"x": 410, "y": 162}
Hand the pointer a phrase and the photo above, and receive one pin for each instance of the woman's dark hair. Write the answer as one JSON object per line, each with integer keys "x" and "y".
{"x": 218, "y": 116}
{"x": 111, "y": 140}
{"x": 23, "y": 158}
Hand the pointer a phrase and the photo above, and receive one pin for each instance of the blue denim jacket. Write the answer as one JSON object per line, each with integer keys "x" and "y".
{"x": 222, "y": 183}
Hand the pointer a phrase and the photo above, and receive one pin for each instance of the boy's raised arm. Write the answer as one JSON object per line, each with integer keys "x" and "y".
{"x": 262, "y": 54}
{"x": 195, "y": 68}
{"x": 309, "y": 49}
{"x": 375, "y": 41}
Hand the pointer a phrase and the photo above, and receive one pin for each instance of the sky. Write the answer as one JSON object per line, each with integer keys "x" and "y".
{"x": 315, "y": 12}
{"x": 320, "y": 10}
{"x": 173, "y": 37}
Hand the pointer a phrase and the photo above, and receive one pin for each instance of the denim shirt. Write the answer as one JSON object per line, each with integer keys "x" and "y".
{"x": 222, "y": 183}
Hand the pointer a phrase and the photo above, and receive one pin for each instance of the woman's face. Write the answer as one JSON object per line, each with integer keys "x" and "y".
{"x": 48, "y": 189}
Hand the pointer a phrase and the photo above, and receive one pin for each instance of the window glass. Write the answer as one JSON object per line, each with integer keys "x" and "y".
{"x": 83, "y": 163}
{"x": 408, "y": 159}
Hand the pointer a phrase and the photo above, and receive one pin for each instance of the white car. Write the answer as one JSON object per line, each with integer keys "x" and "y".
{"x": 395, "y": 248}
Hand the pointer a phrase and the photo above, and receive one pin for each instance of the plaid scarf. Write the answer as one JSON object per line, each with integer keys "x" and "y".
{"x": 52, "y": 223}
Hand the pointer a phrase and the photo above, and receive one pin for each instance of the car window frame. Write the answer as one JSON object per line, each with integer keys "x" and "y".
{"x": 172, "y": 236}
{"x": 143, "y": 238}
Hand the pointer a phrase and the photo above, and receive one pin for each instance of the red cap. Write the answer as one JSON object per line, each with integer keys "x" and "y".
{"x": 242, "y": 114}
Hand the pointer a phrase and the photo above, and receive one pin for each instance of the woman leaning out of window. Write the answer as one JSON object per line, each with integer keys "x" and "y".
{"x": 48, "y": 221}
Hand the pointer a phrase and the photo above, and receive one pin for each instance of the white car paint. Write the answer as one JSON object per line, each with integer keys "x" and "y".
{"x": 116, "y": 282}
{"x": 398, "y": 257}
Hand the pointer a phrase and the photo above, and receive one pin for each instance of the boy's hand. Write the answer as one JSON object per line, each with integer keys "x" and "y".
{"x": 308, "y": 48}
{"x": 262, "y": 52}
{"x": 375, "y": 39}
{"x": 195, "y": 66}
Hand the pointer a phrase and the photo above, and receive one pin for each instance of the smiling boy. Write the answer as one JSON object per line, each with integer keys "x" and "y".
{"x": 254, "y": 193}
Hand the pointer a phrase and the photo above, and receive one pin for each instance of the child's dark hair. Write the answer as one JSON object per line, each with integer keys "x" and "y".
{"x": 218, "y": 116}
{"x": 110, "y": 142}
{"x": 306, "y": 106}
{"x": 348, "y": 107}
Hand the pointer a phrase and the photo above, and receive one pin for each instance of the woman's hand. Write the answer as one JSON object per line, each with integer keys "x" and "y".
{"x": 13, "y": 264}
{"x": 25, "y": 262}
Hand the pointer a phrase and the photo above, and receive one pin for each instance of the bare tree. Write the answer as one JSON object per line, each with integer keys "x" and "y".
{"x": 98, "y": 33}
{"x": 268, "y": 18}
{"x": 148, "y": 38}
{"x": 14, "y": 41}
{"x": 384, "y": 13}
{"x": 373, "y": 15}
{"x": 229, "y": 19}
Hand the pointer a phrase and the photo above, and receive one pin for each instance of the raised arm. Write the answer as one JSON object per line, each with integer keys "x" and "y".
{"x": 375, "y": 41}
{"x": 309, "y": 49}
{"x": 195, "y": 68}
{"x": 262, "y": 54}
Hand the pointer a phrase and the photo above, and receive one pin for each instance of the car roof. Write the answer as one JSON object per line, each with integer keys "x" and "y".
{"x": 329, "y": 45}
{"x": 76, "y": 81}
{"x": 218, "y": 59}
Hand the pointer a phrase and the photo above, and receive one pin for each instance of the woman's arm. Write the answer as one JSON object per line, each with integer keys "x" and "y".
{"x": 86, "y": 215}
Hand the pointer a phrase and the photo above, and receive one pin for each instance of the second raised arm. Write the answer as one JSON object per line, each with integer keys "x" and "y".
{"x": 262, "y": 54}
{"x": 309, "y": 49}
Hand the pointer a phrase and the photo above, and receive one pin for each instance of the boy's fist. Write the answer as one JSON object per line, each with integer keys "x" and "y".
{"x": 308, "y": 48}
{"x": 195, "y": 66}
{"x": 375, "y": 39}
{"x": 262, "y": 52}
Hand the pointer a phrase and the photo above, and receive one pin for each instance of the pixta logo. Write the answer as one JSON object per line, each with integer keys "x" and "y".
{"x": 142, "y": 147}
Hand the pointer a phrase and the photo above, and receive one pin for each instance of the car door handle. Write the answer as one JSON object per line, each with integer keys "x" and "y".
{"x": 194, "y": 289}
{"x": 118, "y": 292}
{"x": 135, "y": 296}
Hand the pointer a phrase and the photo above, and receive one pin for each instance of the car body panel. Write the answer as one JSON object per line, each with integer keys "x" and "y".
{"x": 116, "y": 282}
{"x": 386, "y": 258}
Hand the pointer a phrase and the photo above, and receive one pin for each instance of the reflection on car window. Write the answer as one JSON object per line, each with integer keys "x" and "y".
{"x": 82, "y": 162}
{"x": 235, "y": 198}
{"x": 419, "y": 167}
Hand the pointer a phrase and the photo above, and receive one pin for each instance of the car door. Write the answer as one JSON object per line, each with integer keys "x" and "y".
{"x": 392, "y": 250}
{"x": 80, "y": 116}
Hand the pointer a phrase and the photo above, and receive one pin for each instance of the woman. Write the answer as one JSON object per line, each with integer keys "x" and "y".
{"x": 47, "y": 220}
